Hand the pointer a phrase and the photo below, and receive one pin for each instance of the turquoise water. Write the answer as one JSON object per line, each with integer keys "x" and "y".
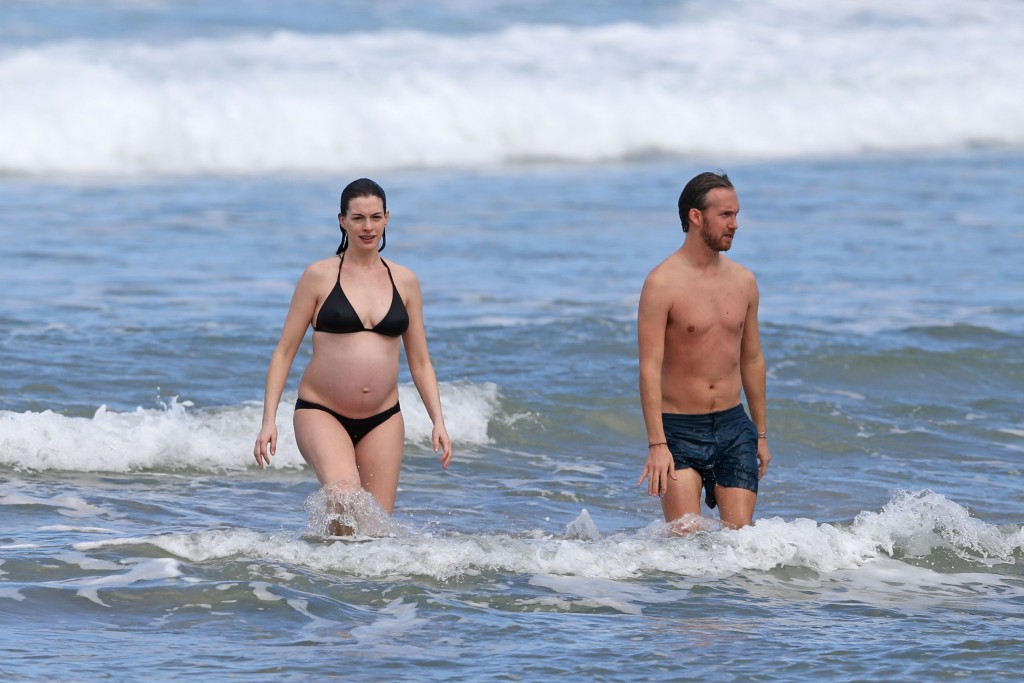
{"x": 145, "y": 285}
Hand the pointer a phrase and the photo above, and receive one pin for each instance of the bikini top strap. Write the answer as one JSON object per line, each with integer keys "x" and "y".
{"x": 390, "y": 276}
{"x": 341, "y": 262}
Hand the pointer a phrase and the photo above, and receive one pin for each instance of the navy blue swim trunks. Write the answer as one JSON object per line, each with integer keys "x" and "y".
{"x": 721, "y": 446}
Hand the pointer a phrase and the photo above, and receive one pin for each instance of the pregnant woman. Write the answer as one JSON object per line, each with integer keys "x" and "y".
{"x": 348, "y": 421}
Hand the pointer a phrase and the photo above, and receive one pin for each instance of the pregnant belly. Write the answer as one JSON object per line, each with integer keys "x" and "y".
{"x": 355, "y": 375}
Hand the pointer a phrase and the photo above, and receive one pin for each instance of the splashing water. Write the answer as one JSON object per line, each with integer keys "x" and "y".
{"x": 340, "y": 510}
{"x": 915, "y": 523}
{"x": 583, "y": 528}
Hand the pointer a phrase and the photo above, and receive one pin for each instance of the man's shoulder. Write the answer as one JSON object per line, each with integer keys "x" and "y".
{"x": 735, "y": 267}
{"x": 740, "y": 272}
{"x": 667, "y": 270}
{"x": 665, "y": 282}
{"x": 674, "y": 272}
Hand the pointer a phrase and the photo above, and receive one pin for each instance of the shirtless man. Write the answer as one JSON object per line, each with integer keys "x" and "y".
{"x": 699, "y": 346}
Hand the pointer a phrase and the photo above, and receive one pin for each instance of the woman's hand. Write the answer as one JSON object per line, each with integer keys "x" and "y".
{"x": 442, "y": 443}
{"x": 266, "y": 445}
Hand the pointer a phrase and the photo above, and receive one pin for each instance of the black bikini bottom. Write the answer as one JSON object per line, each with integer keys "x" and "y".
{"x": 357, "y": 428}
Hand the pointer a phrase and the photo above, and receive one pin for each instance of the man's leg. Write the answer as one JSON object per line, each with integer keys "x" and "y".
{"x": 681, "y": 501}
{"x": 735, "y": 505}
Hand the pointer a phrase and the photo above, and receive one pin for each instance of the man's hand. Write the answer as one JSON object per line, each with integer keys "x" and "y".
{"x": 763, "y": 457}
{"x": 660, "y": 467}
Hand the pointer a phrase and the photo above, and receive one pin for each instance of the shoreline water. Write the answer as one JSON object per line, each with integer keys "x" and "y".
{"x": 145, "y": 291}
{"x": 146, "y": 517}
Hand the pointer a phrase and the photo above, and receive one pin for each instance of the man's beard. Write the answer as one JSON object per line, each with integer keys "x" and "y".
{"x": 716, "y": 245}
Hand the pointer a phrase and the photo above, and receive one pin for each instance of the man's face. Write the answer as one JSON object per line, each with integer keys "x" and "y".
{"x": 718, "y": 221}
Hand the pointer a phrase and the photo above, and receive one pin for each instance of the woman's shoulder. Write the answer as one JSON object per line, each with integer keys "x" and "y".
{"x": 324, "y": 265}
{"x": 402, "y": 274}
{"x": 319, "y": 271}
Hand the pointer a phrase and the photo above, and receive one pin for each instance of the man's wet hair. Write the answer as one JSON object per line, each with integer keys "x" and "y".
{"x": 695, "y": 194}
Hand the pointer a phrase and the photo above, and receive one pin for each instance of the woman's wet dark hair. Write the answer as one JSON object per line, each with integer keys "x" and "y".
{"x": 363, "y": 187}
{"x": 695, "y": 194}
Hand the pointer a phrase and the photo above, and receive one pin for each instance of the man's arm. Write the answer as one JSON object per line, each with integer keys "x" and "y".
{"x": 753, "y": 374}
{"x": 652, "y": 320}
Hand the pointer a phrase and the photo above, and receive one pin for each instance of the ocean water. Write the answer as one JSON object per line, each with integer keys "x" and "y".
{"x": 168, "y": 169}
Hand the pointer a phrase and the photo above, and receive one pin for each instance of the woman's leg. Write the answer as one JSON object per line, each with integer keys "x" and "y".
{"x": 378, "y": 457}
{"x": 327, "y": 448}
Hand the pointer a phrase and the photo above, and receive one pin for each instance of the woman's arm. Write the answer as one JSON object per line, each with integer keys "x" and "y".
{"x": 421, "y": 369}
{"x": 300, "y": 315}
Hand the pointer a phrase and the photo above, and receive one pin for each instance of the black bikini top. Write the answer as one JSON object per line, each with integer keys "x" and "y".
{"x": 337, "y": 316}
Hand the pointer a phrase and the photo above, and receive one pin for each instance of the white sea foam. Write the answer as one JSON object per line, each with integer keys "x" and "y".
{"x": 68, "y": 506}
{"x": 88, "y": 563}
{"x": 596, "y": 593}
{"x": 319, "y": 629}
{"x": 142, "y": 569}
{"x": 75, "y": 529}
{"x": 910, "y": 521}
{"x": 917, "y": 523}
{"x": 754, "y": 78}
{"x": 394, "y": 620}
{"x": 11, "y": 594}
{"x": 261, "y": 590}
{"x": 180, "y": 437}
{"x": 468, "y": 411}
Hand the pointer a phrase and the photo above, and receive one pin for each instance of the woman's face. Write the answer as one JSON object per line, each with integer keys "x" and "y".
{"x": 365, "y": 221}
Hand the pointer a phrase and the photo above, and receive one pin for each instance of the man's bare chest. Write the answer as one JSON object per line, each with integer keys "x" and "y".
{"x": 704, "y": 311}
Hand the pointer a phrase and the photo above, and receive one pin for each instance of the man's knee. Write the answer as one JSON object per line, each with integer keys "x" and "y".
{"x": 682, "y": 495}
{"x": 735, "y": 505}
